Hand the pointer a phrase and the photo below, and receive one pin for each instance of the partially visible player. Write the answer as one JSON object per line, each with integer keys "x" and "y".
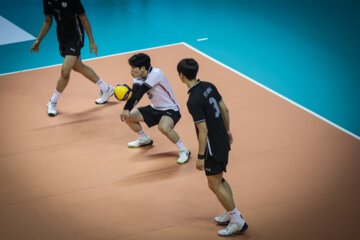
{"x": 212, "y": 121}
{"x": 164, "y": 110}
{"x": 71, "y": 20}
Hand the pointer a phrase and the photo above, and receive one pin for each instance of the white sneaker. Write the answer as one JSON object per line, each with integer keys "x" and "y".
{"x": 104, "y": 96}
{"x": 140, "y": 142}
{"x": 223, "y": 219}
{"x": 184, "y": 155}
{"x": 232, "y": 229}
{"x": 51, "y": 109}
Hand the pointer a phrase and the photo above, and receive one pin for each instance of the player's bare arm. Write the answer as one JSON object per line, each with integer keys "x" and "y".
{"x": 226, "y": 116}
{"x": 44, "y": 30}
{"x": 203, "y": 133}
{"x": 87, "y": 27}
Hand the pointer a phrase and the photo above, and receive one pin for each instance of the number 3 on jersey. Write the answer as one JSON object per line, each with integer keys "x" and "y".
{"x": 213, "y": 102}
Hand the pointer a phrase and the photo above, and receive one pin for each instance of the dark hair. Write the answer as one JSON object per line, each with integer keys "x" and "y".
{"x": 140, "y": 60}
{"x": 188, "y": 67}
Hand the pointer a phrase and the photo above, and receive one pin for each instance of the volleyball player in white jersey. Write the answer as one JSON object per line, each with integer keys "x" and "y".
{"x": 164, "y": 110}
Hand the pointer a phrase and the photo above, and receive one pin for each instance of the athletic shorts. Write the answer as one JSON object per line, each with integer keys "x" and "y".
{"x": 215, "y": 166}
{"x": 152, "y": 116}
{"x": 71, "y": 47}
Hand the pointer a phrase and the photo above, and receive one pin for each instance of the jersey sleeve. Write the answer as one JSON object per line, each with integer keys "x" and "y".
{"x": 217, "y": 95}
{"x": 79, "y": 9}
{"x": 138, "y": 81}
{"x": 196, "y": 111}
{"x": 47, "y": 9}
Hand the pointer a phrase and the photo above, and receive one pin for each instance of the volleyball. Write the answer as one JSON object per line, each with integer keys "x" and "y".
{"x": 122, "y": 92}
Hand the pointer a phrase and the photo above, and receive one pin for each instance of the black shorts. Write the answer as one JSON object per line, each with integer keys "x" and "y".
{"x": 152, "y": 116}
{"x": 72, "y": 47}
{"x": 215, "y": 166}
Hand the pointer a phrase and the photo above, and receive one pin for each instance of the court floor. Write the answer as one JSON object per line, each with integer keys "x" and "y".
{"x": 305, "y": 50}
{"x": 293, "y": 175}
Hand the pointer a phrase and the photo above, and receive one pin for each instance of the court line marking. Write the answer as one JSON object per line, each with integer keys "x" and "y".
{"x": 90, "y": 59}
{"x": 218, "y": 62}
{"x": 11, "y": 33}
{"x": 273, "y": 92}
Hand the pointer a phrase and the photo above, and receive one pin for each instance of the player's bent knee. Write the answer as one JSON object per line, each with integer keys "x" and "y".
{"x": 65, "y": 73}
{"x": 214, "y": 184}
{"x": 164, "y": 128}
{"x": 77, "y": 68}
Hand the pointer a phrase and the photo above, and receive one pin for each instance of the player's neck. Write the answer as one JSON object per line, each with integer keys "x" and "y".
{"x": 191, "y": 82}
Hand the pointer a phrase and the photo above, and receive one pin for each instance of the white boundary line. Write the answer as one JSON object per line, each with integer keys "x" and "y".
{"x": 272, "y": 91}
{"x": 216, "y": 61}
{"x": 90, "y": 59}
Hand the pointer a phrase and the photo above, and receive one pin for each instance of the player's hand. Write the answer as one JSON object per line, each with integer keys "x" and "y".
{"x": 124, "y": 115}
{"x": 230, "y": 137}
{"x": 35, "y": 46}
{"x": 93, "y": 48}
{"x": 200, "y": 164}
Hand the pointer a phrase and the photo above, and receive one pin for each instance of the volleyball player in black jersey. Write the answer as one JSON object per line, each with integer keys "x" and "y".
{"x": 211, "y": 118}
{"x": 71, "y": 20}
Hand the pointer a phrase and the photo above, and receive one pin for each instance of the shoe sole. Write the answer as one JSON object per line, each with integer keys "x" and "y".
{"x": 104, "y": 102}
{"x": 145, "y": 145}
{"x": 240, "y": 232}
{"x": 51, "y": 115}
{"x": 186, "y": 159}
{"x": 100, "y": 103}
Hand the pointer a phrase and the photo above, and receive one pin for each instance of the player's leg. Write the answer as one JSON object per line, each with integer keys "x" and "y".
{"x": 133, "y": 121}
{"x": 69, "y": 62}
{"x": 86, "y": 71}
{"x": 106, "y": 90}
{"x": 221, "y": 188}
{"x": 166, "y": 126}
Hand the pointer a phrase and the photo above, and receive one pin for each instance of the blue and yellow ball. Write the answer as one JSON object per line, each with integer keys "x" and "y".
{"x": 122, "y": 92}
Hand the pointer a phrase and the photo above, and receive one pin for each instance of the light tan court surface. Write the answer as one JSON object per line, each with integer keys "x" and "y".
{"x": 293, "y": 175}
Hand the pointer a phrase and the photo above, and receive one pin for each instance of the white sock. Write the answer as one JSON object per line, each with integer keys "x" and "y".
{"x": 102, "y": 85}
{"x": 235, "y": 216}
{"x": 180, "y": 145}
{"x": 55, "y": 97}
{"x": 142, "y": 134}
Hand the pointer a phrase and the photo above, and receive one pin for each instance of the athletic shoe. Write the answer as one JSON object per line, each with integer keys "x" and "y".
{"x": 223, "y": 219}
{"x": 140, "y": 142}
{"x": 51, "y": 109}
{"x": 184, "y": 155}
{"x": 104, "y": 96}
{"x": 232, "y": 229}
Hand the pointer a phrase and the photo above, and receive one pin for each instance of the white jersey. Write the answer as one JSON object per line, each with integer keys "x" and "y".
{"x": 160, "y": 93}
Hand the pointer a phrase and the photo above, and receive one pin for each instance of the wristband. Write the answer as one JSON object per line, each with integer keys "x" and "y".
{"x": 201, "y": 156}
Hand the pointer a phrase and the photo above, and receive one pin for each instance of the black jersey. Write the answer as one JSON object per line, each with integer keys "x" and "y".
{"x": 66, "y": 14}
{"x": 203, "y": 105}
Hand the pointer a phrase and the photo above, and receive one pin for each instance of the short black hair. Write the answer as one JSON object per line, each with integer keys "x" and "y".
{"x": 140, "y": 60}
{"x": 188, "y": 67}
